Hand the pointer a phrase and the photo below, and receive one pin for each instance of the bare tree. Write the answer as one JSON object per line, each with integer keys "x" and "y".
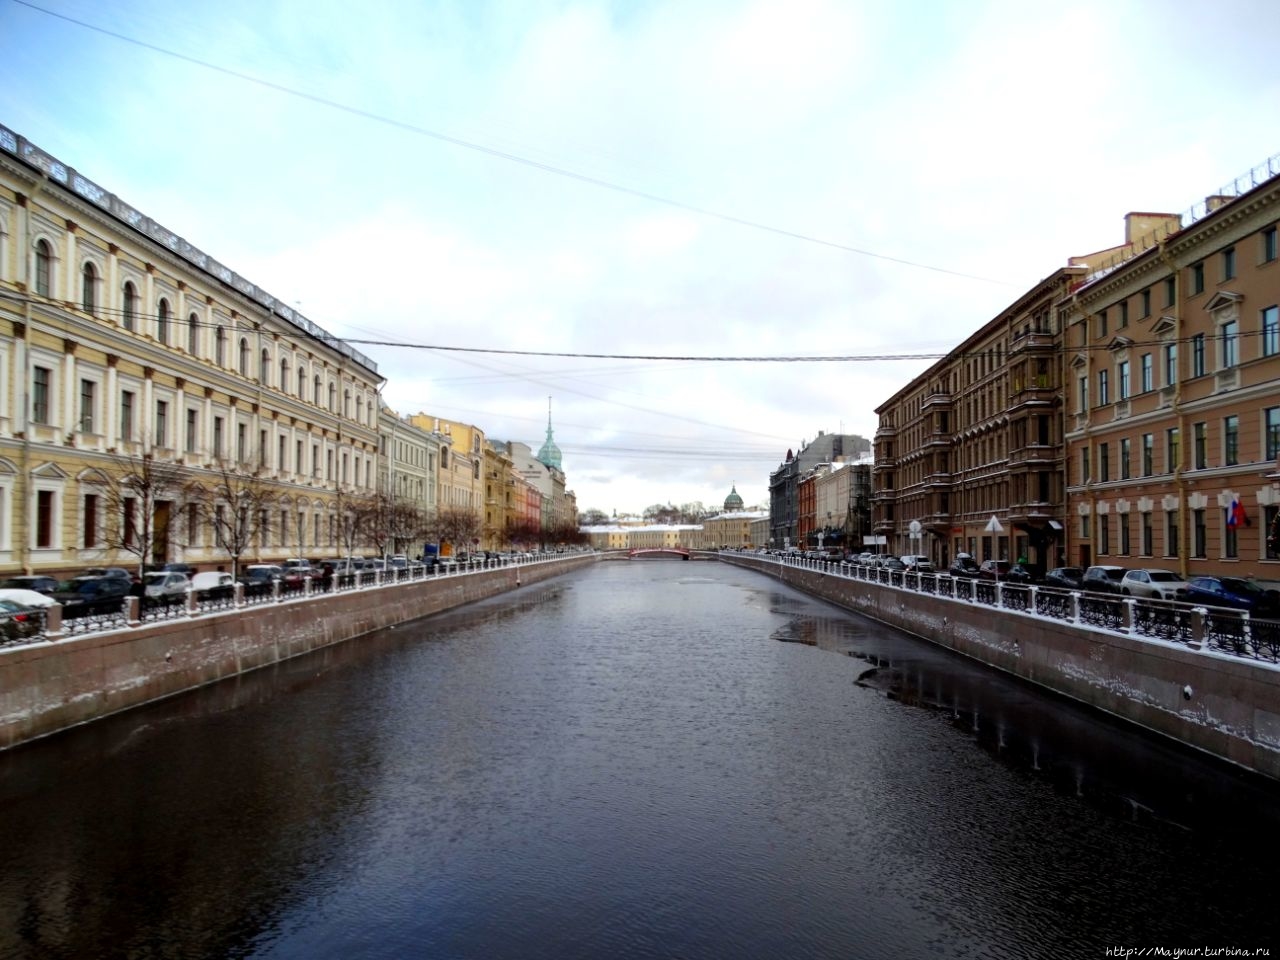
{"x": 139, "y": 500}
{"x": 593, "y": 517}
{"x": 235, "y": 507}
{"x": 388, "y": 523}
{"x": 455, "y": 526}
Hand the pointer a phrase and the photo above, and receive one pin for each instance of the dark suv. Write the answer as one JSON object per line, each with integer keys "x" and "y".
{"x": 83, "y": 596}
{"x": 1103, "y": 579}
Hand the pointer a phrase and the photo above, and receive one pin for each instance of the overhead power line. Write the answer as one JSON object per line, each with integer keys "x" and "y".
{"x": 514, "y": 157}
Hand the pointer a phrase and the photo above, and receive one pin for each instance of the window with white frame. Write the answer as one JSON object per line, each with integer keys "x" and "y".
{"x": 88, "y": 405}
{"x": 1271, "y": 331}
{"x": 41, "y": 394}
{"x": 44, "y": 267}
{"x": 1228, "y": 345}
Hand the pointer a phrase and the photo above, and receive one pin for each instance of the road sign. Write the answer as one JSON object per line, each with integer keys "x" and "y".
{"x": 993, "y": 525}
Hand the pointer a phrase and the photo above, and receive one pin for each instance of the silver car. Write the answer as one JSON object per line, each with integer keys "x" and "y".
{"x": 162, "y": 587}
{"x": 1153, "y": 584}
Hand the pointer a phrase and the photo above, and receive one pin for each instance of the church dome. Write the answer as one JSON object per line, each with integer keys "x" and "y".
{"x": 733, "y": 502}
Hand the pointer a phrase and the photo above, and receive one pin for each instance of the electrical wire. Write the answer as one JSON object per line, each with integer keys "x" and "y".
{"x": 515, "y": 157}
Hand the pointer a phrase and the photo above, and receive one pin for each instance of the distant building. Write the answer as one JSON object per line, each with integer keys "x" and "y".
{"x": 784, "y": 483}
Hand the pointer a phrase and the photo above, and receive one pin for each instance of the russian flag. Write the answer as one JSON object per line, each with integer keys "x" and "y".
{"x": 1235, "y": 514}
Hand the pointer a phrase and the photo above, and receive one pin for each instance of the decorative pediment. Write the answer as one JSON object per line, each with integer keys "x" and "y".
{"x": 1165, "y": 324}
{"x": 6, "y": 466}
{"x": 1222, "y": 299}
{"x": 1119, "y": 343}
{"x": 49, "y": 471}
{"x": 1079, "y": 360}
{"x": 92, "y": 475}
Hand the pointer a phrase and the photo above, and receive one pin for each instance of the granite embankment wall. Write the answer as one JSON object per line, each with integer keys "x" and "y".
{"x": 1224, "y": 705}
{"x": 48, "y": 687}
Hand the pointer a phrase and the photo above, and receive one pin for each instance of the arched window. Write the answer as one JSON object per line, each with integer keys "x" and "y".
{"x": 284, "y": 374}
{"x": 220, "y": 347}
{"x": 315, "y": 391}
{"x": 264, "y": 370}
{"x": 359, "y": 410}
{"x": 44, "y": 267}
{"x": 333, "y": 398}
{"x": 130, "y": 320}
{"x": 193, "y": 335}
{"x": 162, "y": 321}
{"x": 302, "y": 383}
{"x": 244, "y": 357}
{"x": 89, "y": 288}
{"x": 346, "y": 403}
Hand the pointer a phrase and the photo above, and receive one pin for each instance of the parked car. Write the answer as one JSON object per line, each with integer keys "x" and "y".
{"x": 963, "y": 566}
{"x": 892, "y": 563}
{"x": 213, "y": 585}
{"x": 1066, "y": 578}
{"x": 186, "y": 568}
{"x": 39, "y": 584}
{"x": 1023, "y": 573}
{"x": 1153, "y": 584}
{"x": 18, "y": 622}
{"x": 257, "y": 577}
{"x": 119, "y": 572}
{"x": 26, "y": 598}
{"x": 1235, "y": 592}
{"x": 917, "y": 564}
{"x": 1102, "y": 579}
{"x": 82, "y": 596}
{"x": 993, "y": 569}
{"x": 162, "y": 588}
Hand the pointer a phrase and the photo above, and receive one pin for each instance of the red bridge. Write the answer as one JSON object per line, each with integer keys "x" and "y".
{"x": 680, "y": 552}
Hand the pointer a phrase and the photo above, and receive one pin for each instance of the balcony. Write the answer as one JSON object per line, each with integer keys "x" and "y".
{"x": 941, "y": 478}
{"x": 1037, "y": 391}
{"x": 1035, "y": 343}
{"x": 1035, "y": 455}
{"x": 936, "y": 401}
{"x": 1034, "y": 513}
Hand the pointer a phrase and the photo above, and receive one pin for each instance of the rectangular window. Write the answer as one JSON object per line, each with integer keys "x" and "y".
{"x": 1200, "y": 442}
{"x": 1146, "y": 303}
{"x": 1197, "y": 278}
{"x": 1104, "y": 462}
{"x": 1123, "y": 521}
{"x": 1268, "y": 523}
{"x": 1086, "y": 524}
{"x": 1171, "y": 534}
{"x": 88, "y": 401}
{"x": 1270, "y": 331}
{"x": 1197, "y": 355}
{"x": 1148, "y": 454}
{"x": 299, "y": 464}
{"x": 130, "y": 517}
{"x": 1123, "y": 378}
{"x": 218, "y": 444}
{"x": 1231, "y": 441}
{"x": 1171, "y": 450}
{"x": 1146, "y": 534}
{"x": 162, "y": 423}
{"x": 193, "y": 524}
{"x": 242, "y": 443}
{"x": 1170, "y": 364}
{"x": 1230, "y": 344}
{"x": 1229, "y": 263}
{"x": 1200, "y": 538}
{"x": 281, "y": 451}
{"x": 90, "y": 520}
{"x": 1170, "y": 288}
{"x": 1104, "y": 393}
{"x": 41, "y": 379}
{"x": 193, "y": 422}
{"x": 44, "y": 518}
{"x": 1271, "y": 424}
{"x": 1085, "y": 476}
{"x": 1124, "y": 315}
{"x": 126, "y": 414}
{"x": 1230, "y": 540}
{"x": 1148, "y": 374}
{"x": 1268, "y": 244}
{"x": 1104, "y": 534}
{"x": 1083, "y": 395}
{"x": 262, "y": 448}
{"x": 1102, "y": 323}
{"x": 1124, "y": 458}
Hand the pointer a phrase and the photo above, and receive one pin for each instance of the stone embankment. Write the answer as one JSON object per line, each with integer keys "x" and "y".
{"x": 47, "y": 687}
{"x": 1224, "y": 705}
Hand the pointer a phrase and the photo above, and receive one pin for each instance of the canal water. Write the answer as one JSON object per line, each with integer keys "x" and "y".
{"x": 646, "y": 759}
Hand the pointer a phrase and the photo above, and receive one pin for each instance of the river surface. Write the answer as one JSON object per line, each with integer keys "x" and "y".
{"x": 646, "y": 759}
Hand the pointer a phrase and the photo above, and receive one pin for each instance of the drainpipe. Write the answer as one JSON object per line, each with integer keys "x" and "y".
{"x": 24, "y": 263}
{"x": 1179, "y": 477}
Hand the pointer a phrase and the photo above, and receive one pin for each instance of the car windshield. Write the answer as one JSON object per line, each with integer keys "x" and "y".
{"x": 1113, "y": 573}
{"x": 1163, "y": 576}
{"x": 157, "y": 577}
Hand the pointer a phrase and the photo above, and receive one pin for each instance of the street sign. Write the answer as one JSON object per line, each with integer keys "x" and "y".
{"x": 993, "y": 525}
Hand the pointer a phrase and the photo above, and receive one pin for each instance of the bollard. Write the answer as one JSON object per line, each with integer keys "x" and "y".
{"x": 193, "y": 602}
{"x": 132, "y": 607}
{"x": 53, "y": 622}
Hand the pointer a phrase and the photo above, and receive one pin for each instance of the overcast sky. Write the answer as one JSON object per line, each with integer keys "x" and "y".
{"x": 692, "y": 178}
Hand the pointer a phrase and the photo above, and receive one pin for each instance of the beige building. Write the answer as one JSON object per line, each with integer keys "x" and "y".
{"x": 1173, "y": 402}
{"x": 459, "y": 485}
{"x": 731, "y": 528}
{"x": 127, "y": 353}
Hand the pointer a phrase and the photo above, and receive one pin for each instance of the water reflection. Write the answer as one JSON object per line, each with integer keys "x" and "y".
{"x": 634, "y": 761}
